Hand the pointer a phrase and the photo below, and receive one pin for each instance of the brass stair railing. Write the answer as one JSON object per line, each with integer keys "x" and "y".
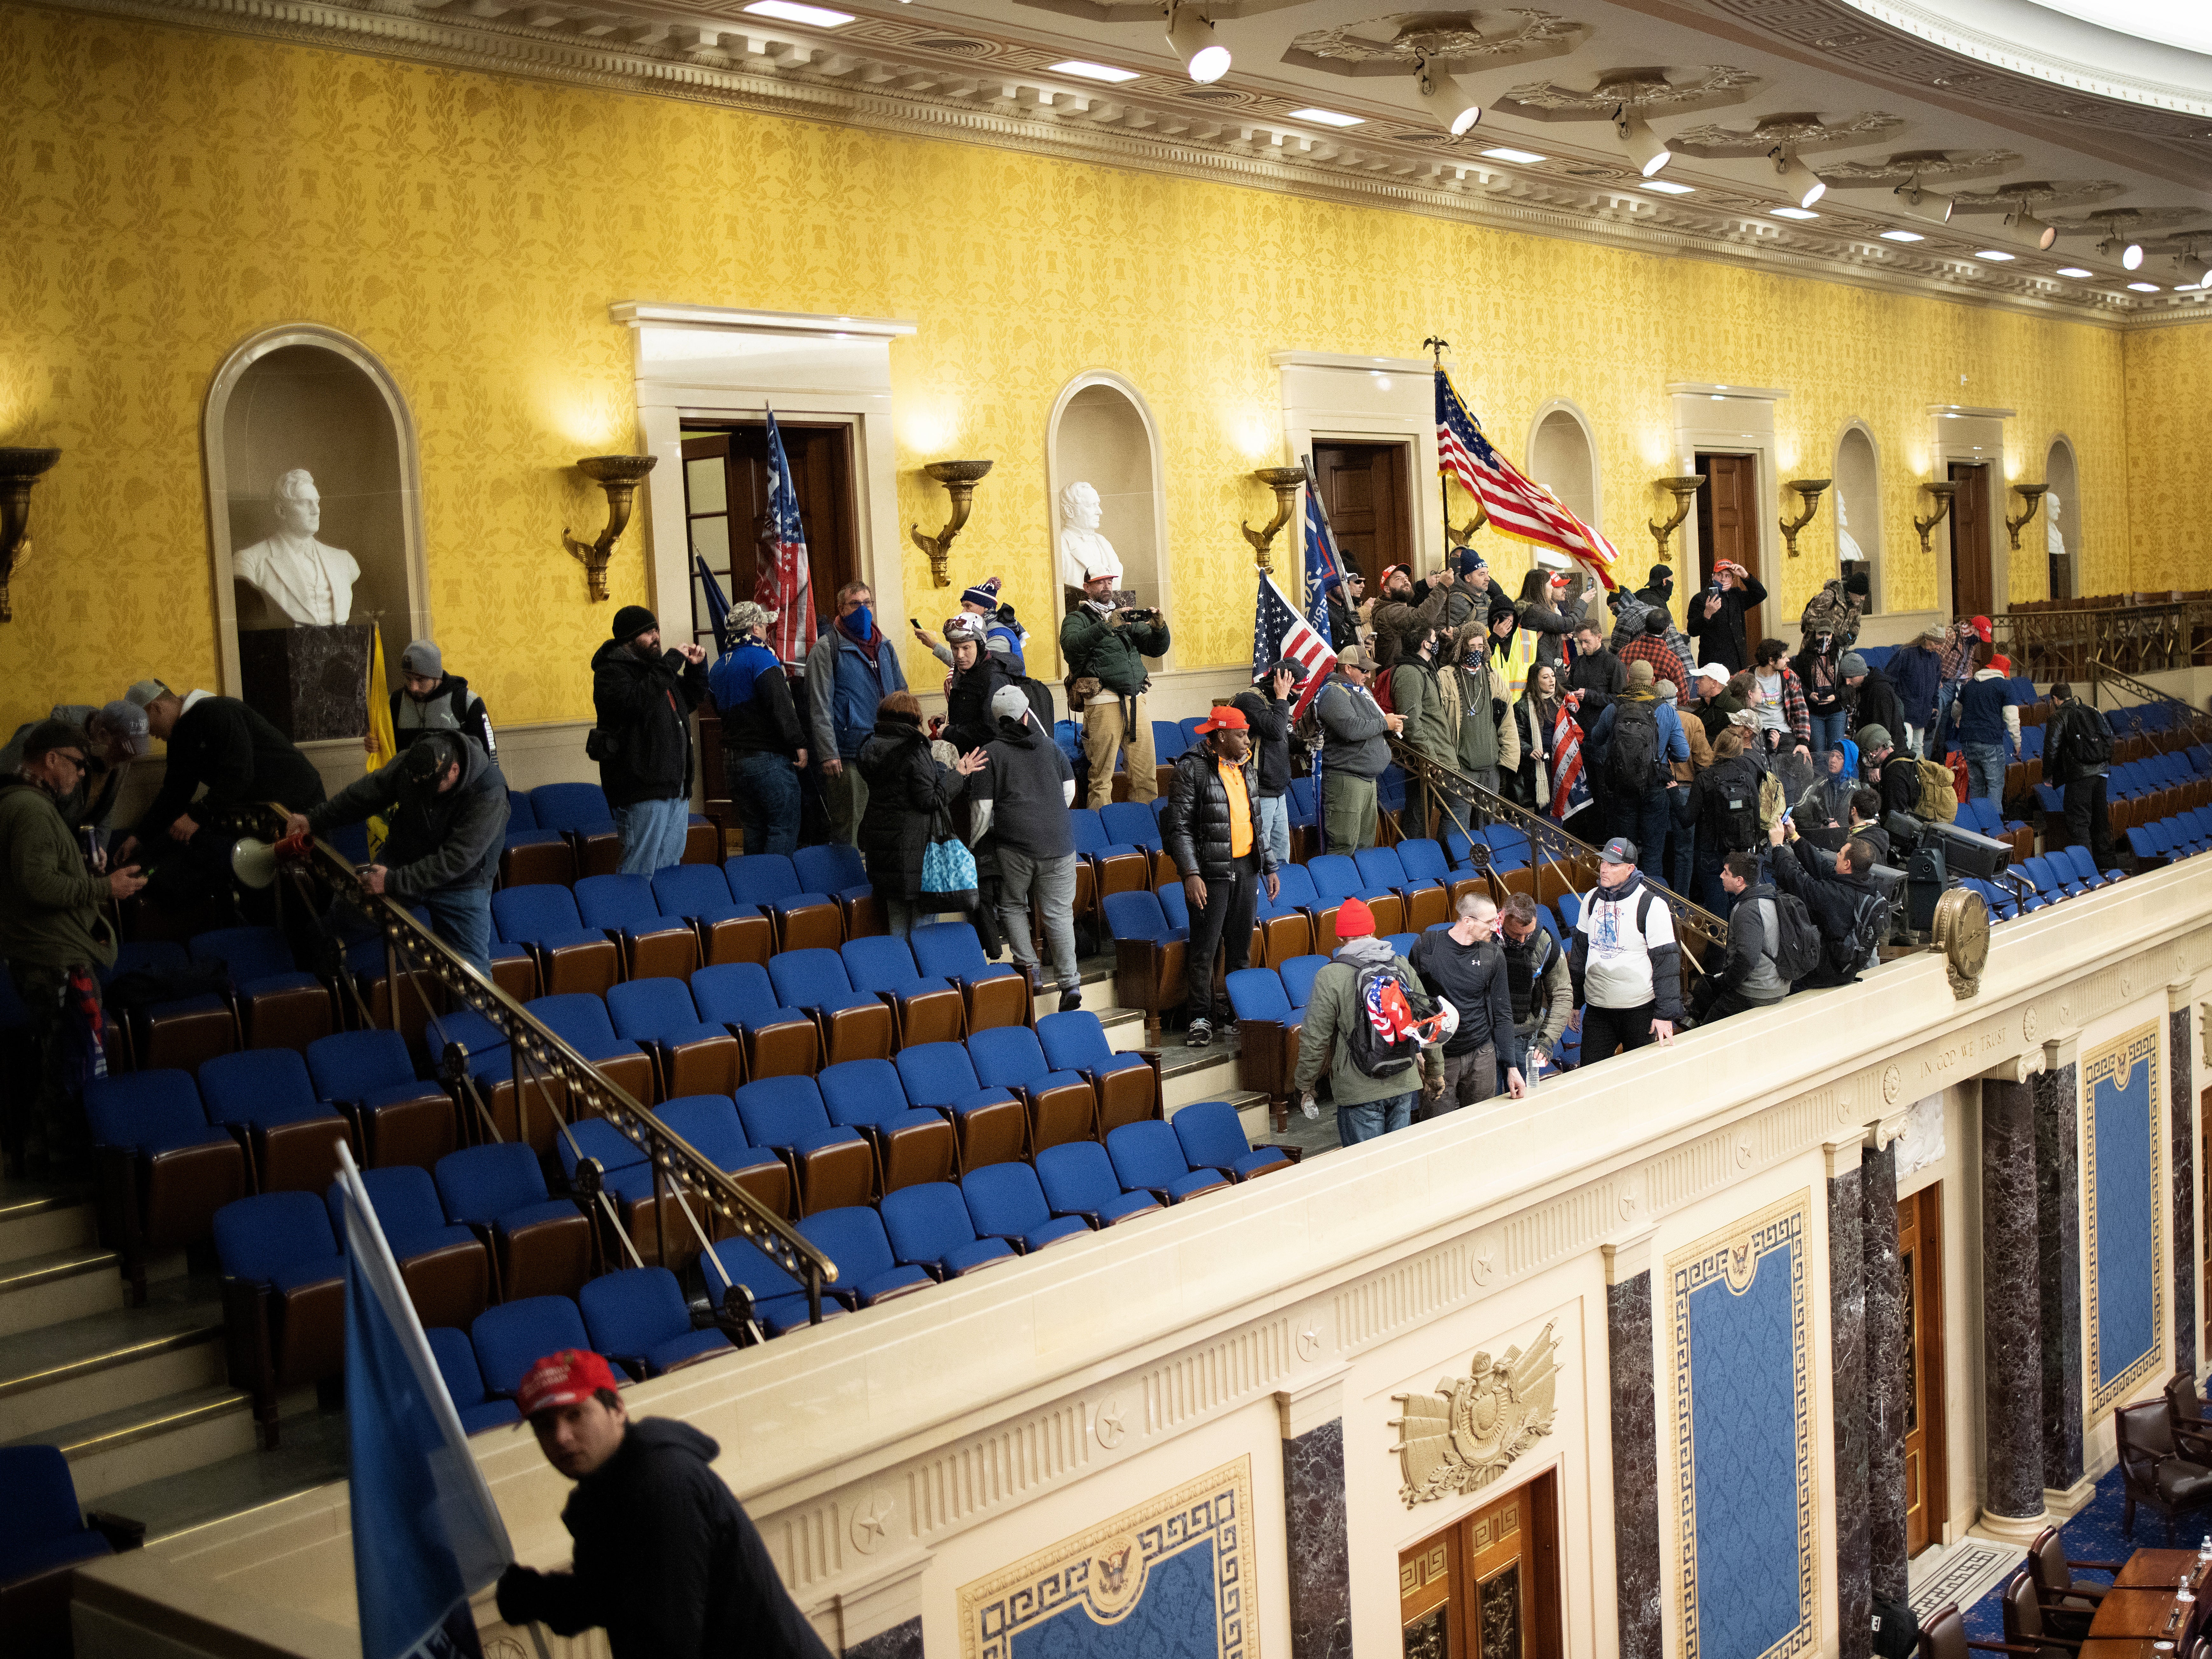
{"x": 2102, "y": 672}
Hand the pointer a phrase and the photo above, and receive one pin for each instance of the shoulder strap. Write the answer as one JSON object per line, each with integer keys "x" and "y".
{"x": 1644, "y": 903}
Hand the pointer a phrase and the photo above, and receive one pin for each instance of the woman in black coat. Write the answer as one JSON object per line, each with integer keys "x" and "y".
{"x": 909, "y": 795}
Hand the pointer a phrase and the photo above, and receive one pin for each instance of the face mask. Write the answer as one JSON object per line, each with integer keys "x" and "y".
{"x": 861, "y": 622}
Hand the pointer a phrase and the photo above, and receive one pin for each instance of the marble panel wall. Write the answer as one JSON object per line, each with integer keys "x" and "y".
{"x": 2182, "y": 1106}
{"x": 1886, "y": 1384}
{"x": 1847, "y": 1343}
{"x": 1317, "y": 1544}
{"x": 1635, "y": 1466}
{"x": 2058, "y": 1268}
{"x": 2012, "y": 1340}
{"x": 899, "y": 1642}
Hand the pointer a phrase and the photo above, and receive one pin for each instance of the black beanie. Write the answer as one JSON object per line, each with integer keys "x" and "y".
{"x": 1856, "y": 583}
{"x": 631, "y": 621}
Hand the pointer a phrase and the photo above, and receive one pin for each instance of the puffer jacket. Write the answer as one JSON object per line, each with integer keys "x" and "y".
{"x": 1196, "y": 826}
{"x": 644, "y": 712}
{"x": 438, "y": 842}
{"x": 1112, "y": 655}
{"x": 908, "y": 794}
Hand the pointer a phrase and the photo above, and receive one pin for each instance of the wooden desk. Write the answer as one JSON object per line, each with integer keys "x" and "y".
{"x": 2147, "y": 1569}
{"x": 2137, "y": 1613}
{"x": 2123, "y": 1647}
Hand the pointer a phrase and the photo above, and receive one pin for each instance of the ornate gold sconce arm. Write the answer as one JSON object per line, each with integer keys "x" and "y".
{"x": 959, "y": 479}
{"x": 2033, "y": 495}
{"x": 1460, "y": 535}
{"x": 619, "y": 475}
{"x": 1809, "y": 494}
{"x": 1942, "y": 491}
{"x": 1285, "y": 482}
{"x": 1685, "y": 490}
{"x": 19, "y": 469}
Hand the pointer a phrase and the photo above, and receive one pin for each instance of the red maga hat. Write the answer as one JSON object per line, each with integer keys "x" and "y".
{"x": 1223, "y": 719}
{"x": 562, "y": 1379}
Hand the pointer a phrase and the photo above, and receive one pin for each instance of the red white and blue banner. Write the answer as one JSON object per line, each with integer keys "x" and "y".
{"x": 1571, "y": 790}
{"x": 1279, "y": 632}
{"x": 785, "y": 588}
{"x": 1323, "y": 560}
{"x": 1518, "y": 507}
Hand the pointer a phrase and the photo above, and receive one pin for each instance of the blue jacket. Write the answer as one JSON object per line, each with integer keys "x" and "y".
{"x": 1916, "y": 673}
{"x": 842, "y": 691}
{"x": 1981, "y": 710}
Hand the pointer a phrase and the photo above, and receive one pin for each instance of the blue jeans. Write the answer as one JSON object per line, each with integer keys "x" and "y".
{"x": 1828, "y": 731}
{"x": 1644, "y": 819}
{"x": 462, "y": 917}
{"x": 1985, "y": 770}
{"x": 1274, "y": 821}
{"x": 653, "y": 833}
{"x": 764, "y": 788}
{"x": 1939, "y": 735}
{"x": 1378, "y": 1117}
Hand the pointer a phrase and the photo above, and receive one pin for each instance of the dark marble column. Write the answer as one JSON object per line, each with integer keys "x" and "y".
{"x": 2181, "y": 1093}
{"x": 1885, "y": 1384}
{"x": 2058, "y": 1268}
{"x": 1847, "y": 1344}
{"x": 1314, "y": 1530}
{"x": 899, "y": 1642}
{"x": 2012, "y": 1322}
{"x": 1635, "y": 1449}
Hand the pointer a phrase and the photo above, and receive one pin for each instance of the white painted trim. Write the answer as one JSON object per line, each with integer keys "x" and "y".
{"x": 640, "y": 313}
{"x": 1706, "y": 389}
{"x": 1968, "y": 412}
{"x": 1879, "y": 554}
{"x": 1699, "y": 413}
{"x": 1054, "y": 483}
{"x": 1328, "y": 397}
{"x": 1975, "y": 437}
{"x": 1344, "y": 359}
{"x": 1573, "y": 411}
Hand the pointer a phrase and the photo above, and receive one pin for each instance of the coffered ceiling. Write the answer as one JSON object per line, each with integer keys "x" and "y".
{"x": 2107, "y": 138}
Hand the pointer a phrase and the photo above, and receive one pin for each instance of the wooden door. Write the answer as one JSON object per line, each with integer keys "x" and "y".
{"x": 1972, "y": 589}
{"x": 1728, "y": 528}
{"x": 1920, "y": 1273}
{"x": 2205, "y": 1163}
{"x": 1487, "y": 1586}
{"x": 1363, "y": 487}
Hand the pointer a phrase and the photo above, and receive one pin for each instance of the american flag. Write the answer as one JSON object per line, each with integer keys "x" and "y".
{"x": 784, "y": 588}
{"x": 1278, "y": 631}
{"x": 1517, "y": 507}
{"x": 1322, "y": 558}
{"x": 1571, "y": 790}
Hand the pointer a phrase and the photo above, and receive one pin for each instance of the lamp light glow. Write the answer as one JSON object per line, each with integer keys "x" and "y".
{"x": 1447, "y": 101}
{"x": 1518, "y": 157}
{"x": 1902, "y": 236}
{"x": 1089, "y": 72}
{"x": 1644, "y": 146}
{"x": 1192, "y": 39}
{"x": 1799, "y": 180}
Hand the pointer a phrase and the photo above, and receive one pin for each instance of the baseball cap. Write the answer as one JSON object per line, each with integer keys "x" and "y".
{"x": 1223, "y": 719}
{"x": 128, "y": 720}
{"x": 1352, "y": 657}
{"x": 1619, "y": 850}
{"x": 1290, "y": 666}
{"x": 1354, "y": 920}
{"x": 1982, "y": 627}
{"x": 1713, "y": 670}
{"x": 1009, "y": 702}
{"x": 145, "y": 691}
{"x": 562, "y": 1379}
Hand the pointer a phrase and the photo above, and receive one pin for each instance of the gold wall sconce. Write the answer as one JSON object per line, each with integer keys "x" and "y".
{"x": 959, "y": 479}
{"x": 1942, "y": 490}
{"x": 1685, "y": 490}
{"x": 1285, "y": 482}
{"x": 1462, "y": 535}
{"x": 2032, "y": 496}
{"x": 619, "y": 475}
{"x": 1808, "y": 496}
{"x": 19, "y": 469}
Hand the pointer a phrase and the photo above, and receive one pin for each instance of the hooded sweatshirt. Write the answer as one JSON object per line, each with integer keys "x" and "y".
{"x": 438, "y": 842}
{"x": 1332, "y": 1007}
{"x": 1027, "y": 784}
{"x": 49, "y": 901}
{"x": 1830, "y": 793}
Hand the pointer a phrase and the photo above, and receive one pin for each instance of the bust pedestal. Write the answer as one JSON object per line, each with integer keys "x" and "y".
{"x": 311, "y": 683}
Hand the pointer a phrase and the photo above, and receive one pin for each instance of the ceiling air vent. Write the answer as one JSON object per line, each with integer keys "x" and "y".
{"x": 1216, "y": 95}
{"x": 953, "y": 43}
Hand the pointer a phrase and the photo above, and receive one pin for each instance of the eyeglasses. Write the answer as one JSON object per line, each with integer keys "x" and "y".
{"x": 77, "y": 761}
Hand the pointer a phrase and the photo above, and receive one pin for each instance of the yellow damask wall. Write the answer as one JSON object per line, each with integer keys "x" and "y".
{"x": 2169, "y": 433}
{"x": 171, "y": 192}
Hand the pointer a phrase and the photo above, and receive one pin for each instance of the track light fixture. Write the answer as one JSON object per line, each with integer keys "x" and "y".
{"x": 2024, "y": 227}
{"x": 2130, "y": 254}
{"x": 1192, "y": 39}
{"x": 1445, "y": 98}
{"x": 2191, "y": 270}
{"x": 1644, "y": 146}
{"x": 1925, "y": 203}
{"x": 1799, "y": 181}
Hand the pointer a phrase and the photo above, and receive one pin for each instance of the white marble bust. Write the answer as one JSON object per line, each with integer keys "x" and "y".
{"x": 1085, "y": 555}
{"x": 2054, "y": 542}
{"x": 311, "y": 583}
{"x": 1847, "y": 546}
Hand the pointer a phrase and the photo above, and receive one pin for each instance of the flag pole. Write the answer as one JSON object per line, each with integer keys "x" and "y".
{"x": 1436, "y": 346}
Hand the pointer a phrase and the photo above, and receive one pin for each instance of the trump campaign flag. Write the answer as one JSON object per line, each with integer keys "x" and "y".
{"x": 426, "y": 1534}
{"x": 1322, "y": 559}
{"x": 1517, "y": 506}
{"x": 1279, "y": 632}
{"x": 785, "y": 589}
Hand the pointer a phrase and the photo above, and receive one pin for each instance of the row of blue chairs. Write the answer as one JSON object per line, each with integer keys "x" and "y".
{"x": 2182, "y": 835}
{"x": 559, "y": 831}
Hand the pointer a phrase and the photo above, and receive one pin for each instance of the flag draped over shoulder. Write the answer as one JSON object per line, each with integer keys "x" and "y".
{"x": 426, "y": 1534}
{"x": 1518, "y": 507}
{"x": 1278, "y": 632}
{"x": 383, "y": 742}
{"x": 785, "y": 589}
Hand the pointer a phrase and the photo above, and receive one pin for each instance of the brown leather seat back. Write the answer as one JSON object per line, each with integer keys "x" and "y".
{"x": 1944, "y": 1634}
{"x": 2047, "y": 1565}
{"x": 2023, "y": 1614}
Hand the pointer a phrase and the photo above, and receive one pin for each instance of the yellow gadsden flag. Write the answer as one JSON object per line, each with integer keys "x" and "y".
{"x": 382, "y": 744}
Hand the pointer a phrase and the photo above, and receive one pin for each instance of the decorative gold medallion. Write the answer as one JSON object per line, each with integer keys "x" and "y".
{"x": 1463, "y": 1437}
{"x": 1962, "y": 934}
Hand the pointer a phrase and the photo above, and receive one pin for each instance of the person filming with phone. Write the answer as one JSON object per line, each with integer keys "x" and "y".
{"x": 1717, "y": 615}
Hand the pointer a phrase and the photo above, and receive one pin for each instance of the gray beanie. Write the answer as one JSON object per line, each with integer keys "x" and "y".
{"x": 422, "y": 657}
{"x": 1854, "y": 664}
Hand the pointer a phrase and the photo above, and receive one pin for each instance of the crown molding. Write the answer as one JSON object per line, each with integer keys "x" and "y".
{"x": 644, "y": 314}
{"x": 762, "y": 70}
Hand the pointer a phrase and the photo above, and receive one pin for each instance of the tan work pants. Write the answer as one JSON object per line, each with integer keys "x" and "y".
{"x": 1102, "y": 737}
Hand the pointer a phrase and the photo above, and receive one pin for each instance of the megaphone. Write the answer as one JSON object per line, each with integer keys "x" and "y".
{"x": 253, "y": 862}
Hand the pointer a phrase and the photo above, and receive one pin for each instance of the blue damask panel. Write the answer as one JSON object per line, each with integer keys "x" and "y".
{"x": 1175, "y": 1619}
{"x": 2123, "y": 1176}
{"x": 1743, "y": 1428}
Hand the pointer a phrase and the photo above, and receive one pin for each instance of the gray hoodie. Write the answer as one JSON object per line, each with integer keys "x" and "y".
{"x": 1351, "y": 722}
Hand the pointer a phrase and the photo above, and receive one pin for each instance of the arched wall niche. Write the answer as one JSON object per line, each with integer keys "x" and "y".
{"x": 301, "y": 396}
{"x": 1103, "y": 433}
{"x": 2062, "y": 522}
{"x": 1562, "y": 458}
{"x": 1858, "y": 496}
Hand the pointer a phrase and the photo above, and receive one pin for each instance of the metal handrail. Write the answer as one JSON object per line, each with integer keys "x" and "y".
{"x": 1459, "y": 791}
{"x": 2065, "y": 644}
{"x": 677, "y": 1164}
{"x": 2100, "y": 671}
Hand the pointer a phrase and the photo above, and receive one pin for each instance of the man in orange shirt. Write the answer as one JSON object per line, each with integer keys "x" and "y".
{"x": 1208, "y": 829}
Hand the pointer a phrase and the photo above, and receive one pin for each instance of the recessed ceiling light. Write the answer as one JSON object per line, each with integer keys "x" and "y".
{"x": 790, "y": 11}
{"x": 1668, "y": 187}
{"x": 1092, "y": 71}
{"x": 1792, "y": 213}
{"x": 2074, "y": 270}
{"x": 1328, "y": 117}
{"x": 2144, "y": 287}
{"x": 1902, "y": 236}
{"x": 1995, "y": 255}
{"x": 1524, "y": 157}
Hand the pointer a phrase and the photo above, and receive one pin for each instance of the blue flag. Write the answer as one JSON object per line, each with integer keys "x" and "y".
{"x": 426, "y": 1534}
{"x": 718, "y": 604}
{"x": 1322, "y": 559}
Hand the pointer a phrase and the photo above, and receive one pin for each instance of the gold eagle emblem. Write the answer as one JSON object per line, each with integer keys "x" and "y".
{"x": 1463, "y": 1436}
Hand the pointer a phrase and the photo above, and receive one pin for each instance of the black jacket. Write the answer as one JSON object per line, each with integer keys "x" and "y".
{"x": 1270, "y": 721}
{"x": 452, "y": 708}
{"x": 437, "y": 842}
{"x": 752, "y": 695}
{"x": 908, "y": 792}
{"x": 968, "y": 721}
{"x": 232, "y": 748}
{"x": 1473, "y": 978}
{"x": 1196, "y": 825}
{"x": 1876, "y": 703}
{"x": 1026, "y": 782}
{"x": 668, "y": 1562}
{"x": 1599, "y": 677}
{"x": 1900, "y": 784}
{"x": 1736, "y": 778}
{"x": 2074, "y": 722}
{"x": 644, "y": 713}
{"x": 1722, "y": 634}
{"x": 1833, "y": 900}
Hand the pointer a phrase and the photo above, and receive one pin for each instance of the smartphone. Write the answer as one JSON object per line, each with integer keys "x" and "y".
{"x": 915, "y": 623}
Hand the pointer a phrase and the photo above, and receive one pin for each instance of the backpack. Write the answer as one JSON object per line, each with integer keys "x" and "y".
{"x": 1390, "y": 1036}
{"x": 1896, "y": 1629}
{"x": 1869, "y": 927}
{"x": 1830, "y": 611}
{"x": 2088, "y": 739}
{"x": 1797, "y": 938}
{"x": 1040, "y": 696}
{"x": 1939, "y": 793}
{"x": 1739, "y": 819}
{"x": 1633, "y": 756}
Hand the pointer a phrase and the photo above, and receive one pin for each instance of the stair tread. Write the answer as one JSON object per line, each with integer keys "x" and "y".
{"x": 22, "y": 1198}
{"x": 311, "y": 1453}
{"x": 26, "y": 1271}
{"x": 178, "y": 1312}
{"x": 109, "y": 1430}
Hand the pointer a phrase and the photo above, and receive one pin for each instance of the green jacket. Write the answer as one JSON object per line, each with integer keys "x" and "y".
{"x": 1115, "y": 656}
{"x": 1430, "y": 726}
{"x": 1331, "y": 1008}
{"x": 49, "y": 901}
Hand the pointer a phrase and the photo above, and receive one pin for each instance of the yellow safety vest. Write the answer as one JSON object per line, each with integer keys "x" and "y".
{"x": 1521, "y": 661}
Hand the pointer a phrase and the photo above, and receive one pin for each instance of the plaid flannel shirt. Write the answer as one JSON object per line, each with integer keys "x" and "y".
{"x": 1957, "y": 658}
{"x": 1795, "y": 714}
{"x": 1665, "y": 664}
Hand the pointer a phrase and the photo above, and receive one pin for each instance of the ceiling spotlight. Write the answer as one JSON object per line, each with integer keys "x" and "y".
{"x": 2130, "y": 254}
{"x": 2191, "y": 270}
{"x": 1798, "y": 180}
{"x": 1191, "y": 38}
{"x": 1445, "y": 98}
{"x": 2026, "y": 227}
{"x": 1925, "y": 203}
{"x": 1644, "y": 146}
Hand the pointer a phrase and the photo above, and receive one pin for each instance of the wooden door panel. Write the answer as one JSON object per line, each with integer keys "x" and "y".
{"x": 1486, "y": 1587}
{"x": 1920, "y": 1274}
{"x": 1727, "y": 526}
{"x": 1971, "y": 588}
{"x": 1363, "y": 487}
